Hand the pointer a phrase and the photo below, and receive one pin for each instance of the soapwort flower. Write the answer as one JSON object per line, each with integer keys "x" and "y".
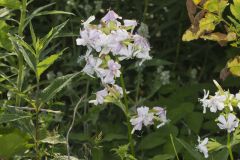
{"x": 202, "y": 146}
{"x": 146, "y": 117}
{"x": 229, "y": 123}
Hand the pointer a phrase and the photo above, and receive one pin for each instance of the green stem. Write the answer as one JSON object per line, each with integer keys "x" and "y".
{"x": 229, "y": 146}
{"x": 174, "y": 148}
{"x": 127, "y": 115}
{"x": 38, "y": 157}
{"x": 20, "y": 77}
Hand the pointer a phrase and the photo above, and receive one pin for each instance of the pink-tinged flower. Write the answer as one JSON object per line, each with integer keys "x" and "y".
{"x": 143, "y": 118}
{"x": 129, "y": 23}
{"x": 90, "y": 38}
{"x": 126, "y": 52}
{"x": 118, "y": 89}
{"x": 110, "y": 16}
{"x": 202, "y": 146}
{"x": 92, "y": 66}
{"x": 142, "y": 46}
{"x": 112, "y": 72}
{"x": 100, "y": 95}
{"x": 116, "y": 39}
{"x": 162, "y": 115}
{"x": 228, "y": 124}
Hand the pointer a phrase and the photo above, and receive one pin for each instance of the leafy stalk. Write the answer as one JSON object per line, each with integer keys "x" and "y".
{"x": 20, "y": 77}
{"x": 127, "y": 115}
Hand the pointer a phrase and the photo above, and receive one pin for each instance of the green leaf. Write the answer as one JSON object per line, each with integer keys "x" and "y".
{"x": 53, "y": 33}
{"x": 12, "y": 144}
{"x": 56, "y": 86}
{"x": 13, "y": 4}
{"x": 47, "y": 62}
{"x": 4, "y": 37}
{"x": 53, "y": 12}
{"x": 5, "y": 118}
{"x": 18, "y": 47}
{"x": 55, "y": 139}
{"x": 163, "y": 157}
{"x": 234, "y": 66}
{"x": 235, "y": 9}
{"x": 194, "y": 121}
{"x": 190, "y": 149}
{"x": 34, "y": 39}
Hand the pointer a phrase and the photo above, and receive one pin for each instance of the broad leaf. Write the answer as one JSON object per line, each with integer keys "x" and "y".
{"x": 234, "y": 66}
{"x": 13, "y": 4}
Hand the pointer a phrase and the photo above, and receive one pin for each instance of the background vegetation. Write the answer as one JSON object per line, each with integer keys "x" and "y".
{"x": 98, "y": 130}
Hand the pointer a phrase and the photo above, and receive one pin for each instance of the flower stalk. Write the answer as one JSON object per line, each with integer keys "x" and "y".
{"x": 127, "y": 115}
{"x": 229, "y": 146}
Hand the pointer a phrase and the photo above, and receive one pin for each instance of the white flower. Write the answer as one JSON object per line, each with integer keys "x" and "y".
{"x": 204, "y": 100}
{"x": 202, "y": 146}
{"x": 92, "y": 66}
{"x": 110, "y": 16}
{"x": 129, "y": 23}
{"x": 100, "y": 95}
{"x": 162, "y": 114}
{"x": 143, "y": 118}
{"x": 112, "y": 72}
{"x": 237, "y": 96}
{"x": 217, "y": 102}
{"x": 230, "y": 97}
{"x": 228, "y": 124}
{"x": 88, "y": 21}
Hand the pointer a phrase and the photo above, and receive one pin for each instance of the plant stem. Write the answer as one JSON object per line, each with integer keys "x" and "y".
{"x": 127, "y": 115}
{"x": 38, "y": 157}
{"x": 20, "y": 77}
{"x": 174, "y": 148}
{"x": 71, "y": 126}
{"x": 229, "y": 146}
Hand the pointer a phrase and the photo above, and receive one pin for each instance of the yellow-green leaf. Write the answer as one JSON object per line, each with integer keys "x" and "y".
{"x": 208, "y": 23}
{"x": 216, "y": 6}
{"x": 196, "y": 2}
{"x": 13, "y": 4}
{"x": 43, "y": 65}
{"x": 235, "y": 9}
{"x": 234, "y": 66}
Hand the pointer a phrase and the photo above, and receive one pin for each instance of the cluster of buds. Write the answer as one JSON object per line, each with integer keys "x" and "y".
{"x": 146, "y": 117}
{"x": 109, "y": 43}
{"x": 224, "y": 103}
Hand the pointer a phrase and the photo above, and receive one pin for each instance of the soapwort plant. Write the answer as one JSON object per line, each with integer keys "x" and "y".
{"x": 109, "y": 43}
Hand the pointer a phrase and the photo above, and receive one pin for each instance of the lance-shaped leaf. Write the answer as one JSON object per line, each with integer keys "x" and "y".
{"x": 56, "y": 86}
{"x": 47, "y": 62}
{"x": 53, "y": 33}
{"x": 234, "y": 66}
{"x": 20, "y": 46}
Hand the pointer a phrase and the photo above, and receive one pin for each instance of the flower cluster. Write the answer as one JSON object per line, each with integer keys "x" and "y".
{"x": 146, "y": 117}
{"x": 224, "y": 103}
{"x": 108, "y": 43}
